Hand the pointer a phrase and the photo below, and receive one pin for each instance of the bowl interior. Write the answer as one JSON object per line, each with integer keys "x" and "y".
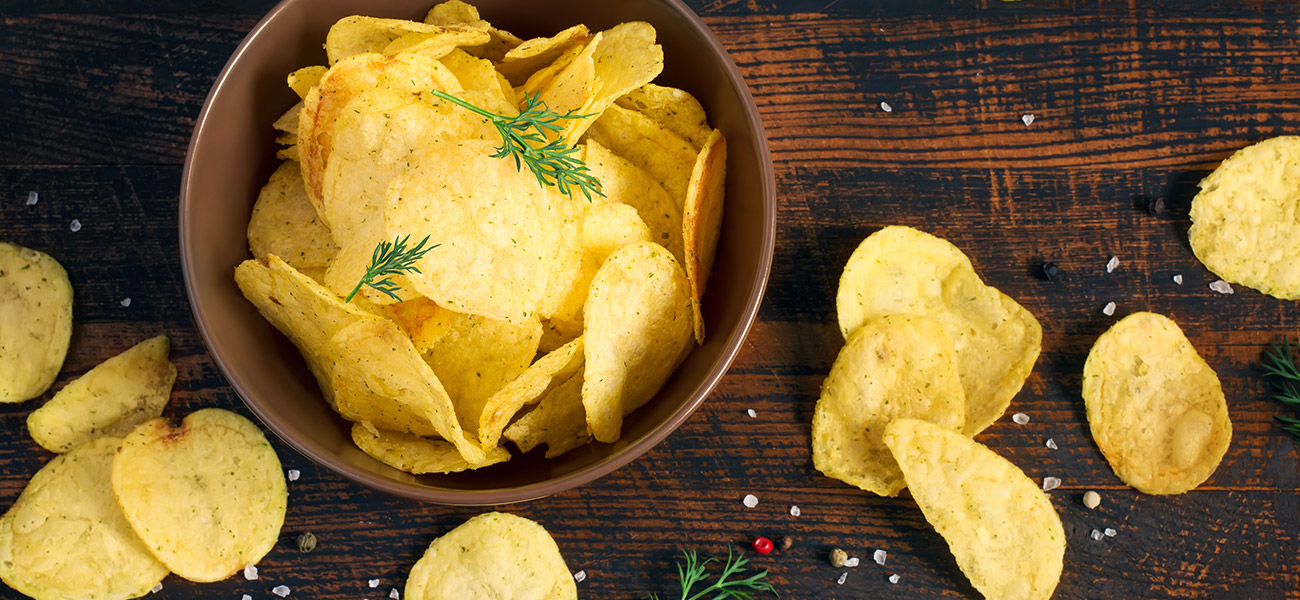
{"x": 232, "y": 155}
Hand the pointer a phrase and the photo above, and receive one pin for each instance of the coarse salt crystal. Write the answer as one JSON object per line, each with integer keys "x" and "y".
{"x": 1020, "y": 418}
{"x": 1221, "y": 287}
{"x": 580, "y": 576}
{"x": 852, "y": 562}
{"x": 32, "y": 198}
{"x": 125, "y": 302}
{"x": 1051, "y": 444}
{"x": 75, "y": 226}
{"x": 1110, "y": 532}
{"x": 843, "y": 576}
{"x": 750, "y": 501}
{"x": 374, "y": 583}
{"x": 1112, "y": 264}
{"x": 1096, "y": 535}
{"x": 879, "y": 556}
{"x": 886, "y": 107}
{"x": 1109, "y": 309}
{"x": 1178, "y": 279}
{"x": 894, "y": 578}
{"x": 157, "y": 587}
{"x": 250, "y": 572}
{"x": 1028, "y": 119}
{"x": 394, "y": 594}
{"x": 294, "y": 474}
{"x": 280, "y": 590}
{"x": 1051, "y": 483}
{"x": 245, "y": 597}
{"x": 752, "y": 414}
{"x": 794, "y": 510}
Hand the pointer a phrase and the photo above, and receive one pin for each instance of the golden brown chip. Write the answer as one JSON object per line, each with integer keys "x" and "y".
{"x": 559, "y": 420}
{"x": 109, "y": 400}
{"x": 675, "y": 109}
{"x": 528, "y": 388}
{"x": 285, "y": 224}
{"x": 702, "y": 219}
{"x": 35, "y": 322}
{"x": 207, "y": 498}
{"x": 998, "y": 523}
{"x": 895, "y": 366}
{"x": 666, "y": 156}
{"x": 415, "y": 454}
{"x": 531, "y": 55}
{"x": 358, "y": 35}
{"x": 494, "y": 556}
{"x": 65, "y": 537}
{"x": 1155, "y": 408}
{"x": 638, "y": 327}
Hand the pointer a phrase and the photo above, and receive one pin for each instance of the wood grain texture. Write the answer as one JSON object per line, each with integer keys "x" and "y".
{"x": 1131, "y": 101}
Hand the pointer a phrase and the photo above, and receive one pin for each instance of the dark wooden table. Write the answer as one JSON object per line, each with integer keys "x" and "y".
{"x": 1130, "y": 101}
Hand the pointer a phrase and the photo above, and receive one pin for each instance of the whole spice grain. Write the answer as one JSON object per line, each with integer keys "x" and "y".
{"x": 786, "y": 542}
{"x": 1091, "y": 500}
{"x": 1155, "y": 206}
{"x": 306, "y": 542}
{"x": 839, "y": 557}
{"x": 1049, "y": 271}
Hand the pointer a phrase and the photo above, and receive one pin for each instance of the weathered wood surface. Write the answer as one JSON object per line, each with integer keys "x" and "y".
{"x": 1131, "y": 101}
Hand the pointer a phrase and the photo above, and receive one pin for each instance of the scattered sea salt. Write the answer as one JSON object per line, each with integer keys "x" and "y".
{"x": 1178, "y": 279}
{"x": 1020, "y": 418}
{"x": 580, "y": 576}
{"x": 250, "y": 572}
{"x": 843, "y": 576}
{"x": 1110, "y": 532}
{"x": 794, "y": 510}
{"x": 1096, "y": 535}
{"x": 886, "y": 107}
{"x": 32, "y": 197}
{"x": 894, "y": 578}
{"x": 394, "y": 594}
{"x": 852, "y": 562}
{"x": 752, "y": 414}
{"x": 1051, "y": 483}
{"x": 245, "y": 597}
{"x": 1221, "y": 287}
{"x": 126, "y": 302}
{"x": 750, "y": 500}
{"x": 1112, "y": 264}
{"x": 1109, "y": 309}
{"x": 1051, "y": 444}
{"x": 374, "y": 583}
{"x": 280, "y": 590}
{"x": 1028, "y": 119}
{"x": 879, "y": 556}
{"x": 75, "y": 226}
{"x": 157, "y": 587}
{"x": 294, "y": 474}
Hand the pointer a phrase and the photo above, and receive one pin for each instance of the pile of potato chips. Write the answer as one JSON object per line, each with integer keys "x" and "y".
{"x": 493, "y": 555}
{"x": 577, "y": 307}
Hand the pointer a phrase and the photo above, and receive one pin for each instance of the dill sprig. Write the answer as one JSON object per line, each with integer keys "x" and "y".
{"x": 696, "y": 572}
{"x": 392, "y": 258}
{"x": 523, "y": 137}
{"x": 1280, "y": 364}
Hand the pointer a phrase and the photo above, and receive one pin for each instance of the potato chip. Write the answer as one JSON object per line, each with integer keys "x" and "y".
{"x": 302, "y": 80}
{"x": 207, "y": 498}
{"x": 543, "y": 77}
{"x": 638, "y": 327}
{"x": 528, "y": 388}
{"x": 666, "y": 156}
{"x": 109, "y": 400}
{"x": 285, "y": 224}
{"x": 559, "y": 420}
{"x": 35, "y": 322}
{"x": 66, "y": 537}
{"x": 893, "y": 367}
{"x": 483, "y": 86}
{"x": 494, "y": 556}
{"x": 1155, "y": 408}
{"x": 531, "y": 55}
{"x": 358, "y": 35}
{"x": 455, "y": 13}
{"x": 613, "y": 63}
{"x": 702, "y": 219}
{"x": 675, "y": 109}
{"x": 288, "y": 122}
{"x": 1245, "y": 227}
{"x": 899, "y": 270}
{"x": 623, "y": 182}
{"x": 999, "y": 525}
{"x": 415, "y": 454}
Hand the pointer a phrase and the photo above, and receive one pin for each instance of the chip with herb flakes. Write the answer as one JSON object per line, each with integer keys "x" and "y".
{"x": 528, "y": 388}
{"x": 415, "y": 454}
{"x": 522, "y": 61}
{"x": 675, "y": 109}
{"x": 702, "y": 219}
{"x": 35, "y": 321}
{"x": 284, "y": 222}
{"x": 66, "y": 537}
{"x": 207, "y": 498}
{"x": 666, "y": 156}
{"x": 892, "y": 367}
{"x": 625, "y": 183}
{"x": 109, "y": 400}
{"x": 1155, "y": 408}
{"x": 558, "y": 420}
{"x": 358, "y": 35}
{"x": 494, "y": 556}
{"x": 455, "y": 13}
{"x": 999, "y": 525}
{"x": 637, "y": 328}
{"x": 900, "y": 270}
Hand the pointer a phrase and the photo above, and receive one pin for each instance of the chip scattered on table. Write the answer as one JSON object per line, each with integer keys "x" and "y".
{"x": 497, "y": 555}
{"x": 35, "y": 321}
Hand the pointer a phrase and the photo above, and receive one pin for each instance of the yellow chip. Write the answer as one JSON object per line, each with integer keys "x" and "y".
{"x": 358, "y": 35}
{"x": 302, "y": 80}
{"x": 288, "y": 122}
{"x": 675, "y": 109}
{"x": 109, "y": 400}
{"x": 528, "y": 388}
{"x": 638, "y": 328}
{"x": 494, "y": 556}
{"x": 666, "y": 156}
{"x": 605, "y": 229}
{"x": 893, "y": 367}
{"x": 623, "y": 182}
{"x": 998, "y": 523}
{"x": 455, "y": 13}
{"x": 207, "y": 498}
{"x": 35, "y": 322}
{"x": 66, "y": 537}
{"x": 483, "y": 86}
{"x": 1155, "y": 408}
{"x": 285, "y": 224}
{"x": 542, "y": 78}
{"x": 899, "y": 270}
{"x": 702, "y": 219}
{"x": 528, "y": 57}
{"x": 1245, "y": 226}
{"x": 559, "y": 420}
{"x": 415, "y": 454}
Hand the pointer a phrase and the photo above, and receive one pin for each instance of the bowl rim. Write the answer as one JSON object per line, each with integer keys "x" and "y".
{"x": 568, "y": 481}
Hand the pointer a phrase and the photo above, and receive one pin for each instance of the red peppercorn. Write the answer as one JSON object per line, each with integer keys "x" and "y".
{"x": 762, "y": 545}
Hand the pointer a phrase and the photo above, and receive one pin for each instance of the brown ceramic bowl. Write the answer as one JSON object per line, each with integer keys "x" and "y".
{"x": 232, "y": 154}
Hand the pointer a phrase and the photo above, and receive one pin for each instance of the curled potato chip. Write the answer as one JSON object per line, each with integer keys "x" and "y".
{"x": 675, "y": 109}
{"x": 702, "y": 219}
{"x": 35, "y": 322}
{"x": 288, "y": 122}
{"x": 302, "y": 80}
{"x": 483, "y": 86}
{"x": 109, "y": 400}
{"x": 66, "y": 537}
{"x": 638, "y": 327}
{"x": 207, "y": 498}
{"x": 358, "y": 35}
{"x": 494, "y": 556}
{"x": 1245, "y": 226}
{"x": 455, "y": 13}
{"x": 285, "y": 224}
{"x": 542, "y": 78}
{"x": 902, "y": 270}
{"x": 999, "y": 525}
{"x": 625, "y": 183}
{"x": 528, "y": 388}
{"x": 666, "y": 156}
{"x": 415, "y": 454}
{"x": 559, "y": 420}
{"x": 531, "y": 55}
{"x": 1155, "y": 408}
{"x": 892, "y": 367}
